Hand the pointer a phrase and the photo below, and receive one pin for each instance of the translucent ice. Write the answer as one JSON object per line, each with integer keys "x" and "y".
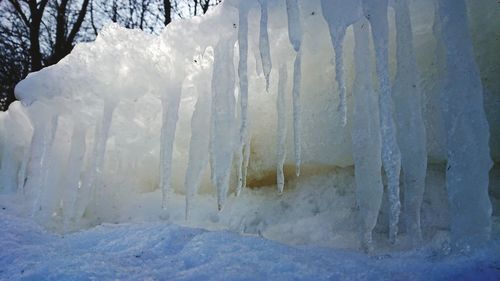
{"x": 376, "y": 12}
{"x": 467, "y": 131}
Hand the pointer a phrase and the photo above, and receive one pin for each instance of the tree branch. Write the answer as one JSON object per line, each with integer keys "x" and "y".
{"x": 19, "y": 10}
{"x": 78, "y": 22}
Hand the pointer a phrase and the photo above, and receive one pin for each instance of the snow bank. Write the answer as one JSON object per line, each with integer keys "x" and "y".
{"x": 256, "y": 93}
{"x": 159, "y": 251}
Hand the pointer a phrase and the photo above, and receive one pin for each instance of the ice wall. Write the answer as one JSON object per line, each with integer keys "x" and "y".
{"x": 237, "y": 97}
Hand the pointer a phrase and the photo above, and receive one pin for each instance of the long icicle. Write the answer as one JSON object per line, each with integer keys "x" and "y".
{"x": 409, "y": 121}
{"x": 170, "y": 111}
{"x": 281, "y": 128}
{"x": 243, "y": 79}
{"x": 339, "y": 15}
{"x": 366, "y": 138}
{"x": 467, "y": 133}
{"x": 96, "y": 163}
{"x": 71, "y": 179}
{"x": 45, "y": 161}
{"x": 376, "y": 12}
{"x": 264, "y": 48}
{"x": 223, "y": 120}
{"x": 295, "y": 36}
{"x": 198, "y": 146}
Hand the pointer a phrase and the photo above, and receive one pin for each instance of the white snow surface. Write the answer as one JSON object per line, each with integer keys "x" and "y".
{"x": 163, "y": 251}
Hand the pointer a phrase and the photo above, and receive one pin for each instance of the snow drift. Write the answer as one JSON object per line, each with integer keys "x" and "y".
{"x": 258, "y": 93}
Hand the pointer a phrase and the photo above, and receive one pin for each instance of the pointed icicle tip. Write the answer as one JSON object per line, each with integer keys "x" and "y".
{"x": 164, "y": 203}
{"x": 220, "y": 207}
{"x": 343, "y": 115}
{"x": 280, "y": 189}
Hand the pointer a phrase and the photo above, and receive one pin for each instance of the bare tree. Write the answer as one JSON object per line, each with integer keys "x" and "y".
{"x": 167, "y": 11}
{"x": 31, "y": 13}
{"x": 147, "y": 15}
{"x": 204, "y": 5}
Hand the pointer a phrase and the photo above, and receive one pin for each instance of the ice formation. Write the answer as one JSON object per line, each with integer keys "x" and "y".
{"x": 409, "y": 121}
{"x": 366, "y": 137}
{"x": 467, "y": 133}
{"x": 191, "y": 112}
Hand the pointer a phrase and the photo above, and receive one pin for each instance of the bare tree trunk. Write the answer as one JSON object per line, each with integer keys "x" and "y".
{"x": 34, "y": 28}
{"x": 64, "y": 41}
{"x": 92, "y": 21}
{"x": 168, "y": 10}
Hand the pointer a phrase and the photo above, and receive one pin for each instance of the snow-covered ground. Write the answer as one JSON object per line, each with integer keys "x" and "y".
{"x": 149, "y": 248}
{"x": 158, "y": 251}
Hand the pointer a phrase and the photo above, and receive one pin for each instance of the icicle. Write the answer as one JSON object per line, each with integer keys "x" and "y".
{"x": 376, "y": 12}
{"x": 240, "y": 158}
{"x": 246, "y": 159}
{"x": 281, "y": 131}
{"x": 7, "y": 163}
{"x": 21, "y": 174}
{"x": 101, "y": 140}
{"x": 467, "y": 131}
{"x": 366, "y": 138}
{"x": 243, "y": 79}
{"x": 198, "y": 147}
{"x": 295, "y": 36}
{"x": 170, "y": 111}
{"x": 264, "y": 48}
{"x": 297, "y": 112}
{"x": 71, "y": 180}
{"x": 339, "y": 15}
{"x": 96, "y": 163}
{"x": 37, "y": 152}
{"x": 3, "y": 140}
{"x": 409, "y": 121}
{"x": 294, "y": 29}
{"x": 339, "y": 75}
{"x": 45, "y": 161}
{"x": 223, "y": 121}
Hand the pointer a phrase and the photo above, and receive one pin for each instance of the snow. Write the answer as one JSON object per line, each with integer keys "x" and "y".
{"x": 162, "y": 251}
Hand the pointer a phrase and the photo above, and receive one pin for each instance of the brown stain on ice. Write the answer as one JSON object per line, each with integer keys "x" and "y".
{"x": 269, "y": 177}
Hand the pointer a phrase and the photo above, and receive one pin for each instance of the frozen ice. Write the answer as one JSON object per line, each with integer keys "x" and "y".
{"x": 223, "y": 126}
{"x": 282, "y": 128}
{"x": 265, "y": 52}
{"x": 366, "y": 138}
{"x": 467, "y": 134}
{"x": 409, "y": 120}
{"x": 131, "y": 123}
{"x": 376, "y": 12}
{"x": 339, "y": 15}
{"x": 295, "y": 36}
